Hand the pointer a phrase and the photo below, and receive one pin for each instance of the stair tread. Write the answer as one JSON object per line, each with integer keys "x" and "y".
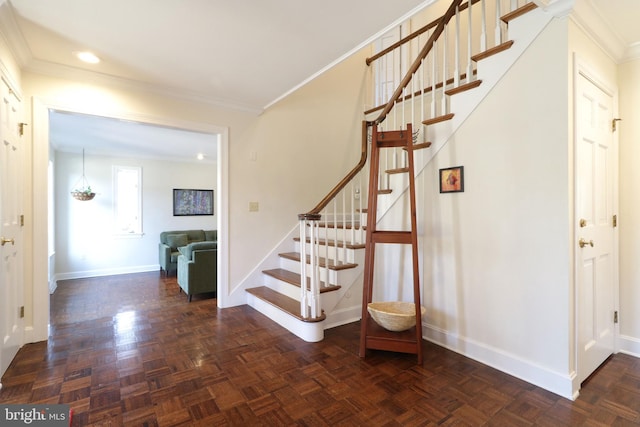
{"x": 283, "y": 302}
{"x": 489, "y": 52}
{"x": 295, "y": 256}
{"x": 385, "y": 191}
{"x": 340, "y": 225}
{"x": 518, "y": 12}
{"x": 463, "y": 87}
{"x": 419, "y": 146}
{"x": 333, "y": 243}
{"x": 438, "y": 119}
{"x": 294, "y": 279}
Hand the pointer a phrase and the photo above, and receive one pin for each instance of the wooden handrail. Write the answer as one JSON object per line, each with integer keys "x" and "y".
{"x": 416, "y": 64}
{"x": 313, "y": 213}
{"x": 413, "y": 35}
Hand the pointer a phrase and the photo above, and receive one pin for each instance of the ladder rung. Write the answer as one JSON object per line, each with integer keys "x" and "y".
{"x": 391, "y": 237}
{"x": 397, "y": 170}
{"x": 394, "y": 138}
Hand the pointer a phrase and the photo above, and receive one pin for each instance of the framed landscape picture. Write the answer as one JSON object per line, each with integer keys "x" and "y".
{"x": 188, "y": 202}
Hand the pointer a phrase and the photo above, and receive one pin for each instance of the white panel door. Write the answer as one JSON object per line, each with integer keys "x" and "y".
{"x": 595, "y": 254}
{"x": 11, "y": 249}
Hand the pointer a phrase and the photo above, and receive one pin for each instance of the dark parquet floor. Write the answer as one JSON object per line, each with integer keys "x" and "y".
{"x": 130, "y": 351}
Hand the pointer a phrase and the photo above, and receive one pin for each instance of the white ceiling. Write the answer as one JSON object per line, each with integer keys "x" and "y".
{"x": 241, "y": 54}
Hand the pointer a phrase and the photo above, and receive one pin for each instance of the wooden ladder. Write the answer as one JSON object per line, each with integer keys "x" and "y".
{"x": 372, "y": 335}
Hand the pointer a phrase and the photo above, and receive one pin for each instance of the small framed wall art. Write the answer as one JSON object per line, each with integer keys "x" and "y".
{"x": 192, "y": 202}
{"x": 452, "y": 180}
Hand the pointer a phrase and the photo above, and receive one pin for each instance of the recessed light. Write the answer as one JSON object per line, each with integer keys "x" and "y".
{"x": 200, "y": 156}
{"x": 87, "y": 57}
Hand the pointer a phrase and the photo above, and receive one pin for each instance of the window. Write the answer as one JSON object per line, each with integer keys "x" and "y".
{"x": 127, "y": 200}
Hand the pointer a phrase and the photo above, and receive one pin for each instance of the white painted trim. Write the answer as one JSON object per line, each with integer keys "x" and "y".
{"x": 555, "y": 382}
{"x": 308, "y": 331}
{"x": 83, "y": 274}
{"x": 41, "y": 285}
{"x": 629, "y": 345}
{"x": 589, "y": 21}
{"x": 343, "y": 317}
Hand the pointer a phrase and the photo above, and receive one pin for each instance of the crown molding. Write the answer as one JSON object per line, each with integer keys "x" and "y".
{"x": 10, "y": 32}
{"x": 557, "y": 8}
{"x": 66, "y": 72}
{"x": 586, "y": 17}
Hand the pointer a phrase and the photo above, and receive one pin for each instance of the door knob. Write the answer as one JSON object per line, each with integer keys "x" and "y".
{"x": 582, "y": 242}
{"x": 3, "y": 241}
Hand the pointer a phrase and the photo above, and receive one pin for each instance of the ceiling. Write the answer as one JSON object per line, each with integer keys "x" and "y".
{"x": 241, "y": 54}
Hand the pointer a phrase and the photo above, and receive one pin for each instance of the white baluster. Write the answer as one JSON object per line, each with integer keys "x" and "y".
{"x": 456, "y": 71}
{"x": 314, "y": 291}
{"x": 470, "y": 44}
{"x": 304, "y": 303}
{"x": 423, "y": 68}
{"x": 445, "y": 73}
{"x": 483, "y": 35}
{"x": 498, "y": 31}
{"x": 434, "y": 78}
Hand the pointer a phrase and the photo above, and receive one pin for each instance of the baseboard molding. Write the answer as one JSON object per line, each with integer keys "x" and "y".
{"x": 629, "y": 345}
{"x": 104, "y": 272}
{"x": 555, "y": 382}
{"x": 343, "y": 316}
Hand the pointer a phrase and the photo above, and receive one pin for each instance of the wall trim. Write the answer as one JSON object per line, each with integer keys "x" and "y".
{"x": 629, "y": 345}
{"x": 105, "y": 272}
{"x": 555, "y": 382}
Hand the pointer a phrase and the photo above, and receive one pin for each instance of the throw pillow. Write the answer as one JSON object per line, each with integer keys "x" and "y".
{"x": 174, "y": 241}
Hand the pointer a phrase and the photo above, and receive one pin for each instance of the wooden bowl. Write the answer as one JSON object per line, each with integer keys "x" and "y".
{"x": 394, "y": 316}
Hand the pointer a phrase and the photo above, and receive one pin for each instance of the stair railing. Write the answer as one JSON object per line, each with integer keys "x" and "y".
{"x": 441, "y": 58}
{"x": 446, "y": 59}
{"x": 343, "y": 213}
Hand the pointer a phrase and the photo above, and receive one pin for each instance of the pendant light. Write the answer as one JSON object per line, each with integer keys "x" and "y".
{"x": 83, "y": 191}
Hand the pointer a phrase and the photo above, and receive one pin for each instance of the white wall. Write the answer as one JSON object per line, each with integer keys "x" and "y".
{"x": 495, "y": 259}
{"x": 85, "y": 243}
{"x": 629, "y": 78}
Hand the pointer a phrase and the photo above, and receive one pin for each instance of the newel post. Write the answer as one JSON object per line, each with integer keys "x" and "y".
{"x": 309, "y": 298}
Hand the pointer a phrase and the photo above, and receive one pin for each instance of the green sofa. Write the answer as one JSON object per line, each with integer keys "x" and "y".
{"x": 170, "y": 241}
{"x": 198, "y": 268}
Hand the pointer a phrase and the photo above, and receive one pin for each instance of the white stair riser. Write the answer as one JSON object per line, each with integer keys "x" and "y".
{"x": 310, "y": 332}
{"x": 331, "y": 252}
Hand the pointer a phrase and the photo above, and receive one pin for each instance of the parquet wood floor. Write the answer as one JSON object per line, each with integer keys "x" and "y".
{"x": 131, "y": 351}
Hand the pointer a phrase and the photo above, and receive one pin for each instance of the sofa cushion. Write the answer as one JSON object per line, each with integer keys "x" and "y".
{"x": 174, "y": 241}
{"x": 190, "y": 248}
{"x": 211, "y": 235}
{"x": 174, "y": 255}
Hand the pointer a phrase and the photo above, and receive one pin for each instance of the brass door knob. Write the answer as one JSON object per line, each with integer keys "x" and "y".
{"x": 582, "y": 242}
{"x": 3, "y": 241}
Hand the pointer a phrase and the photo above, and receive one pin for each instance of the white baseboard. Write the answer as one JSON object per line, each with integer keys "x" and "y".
{"x": 343, "y": 317}
{"x": 555, "y": 382}
{"x": 629, "y": 345}
{"x": 105, "y": 272}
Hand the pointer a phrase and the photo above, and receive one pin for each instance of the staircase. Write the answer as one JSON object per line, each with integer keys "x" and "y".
{"x": 458, "y": 58}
